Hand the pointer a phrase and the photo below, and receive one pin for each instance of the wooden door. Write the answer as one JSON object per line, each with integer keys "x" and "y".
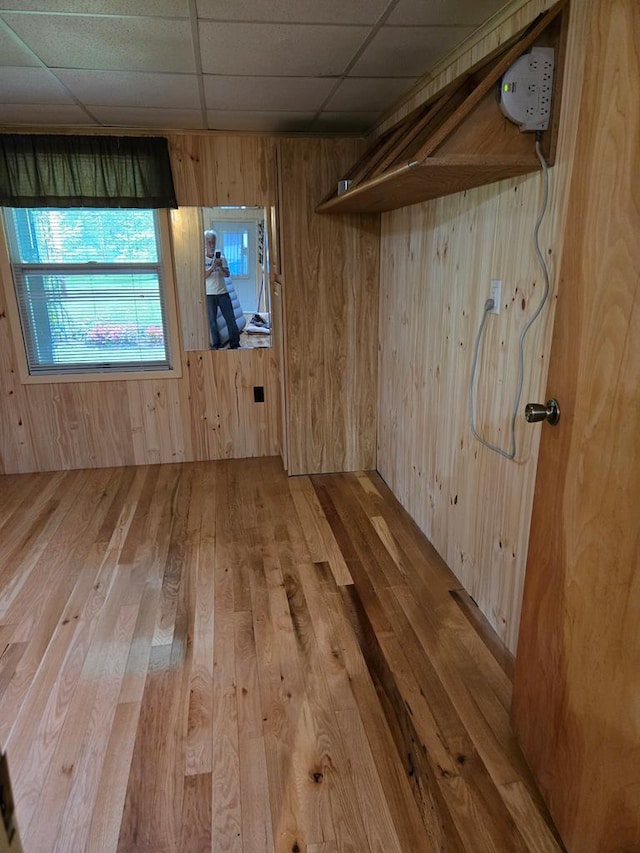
{"x": 576, "y": 706}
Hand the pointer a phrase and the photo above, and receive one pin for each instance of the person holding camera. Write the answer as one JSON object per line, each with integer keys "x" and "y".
{"x": 216, "y": 270}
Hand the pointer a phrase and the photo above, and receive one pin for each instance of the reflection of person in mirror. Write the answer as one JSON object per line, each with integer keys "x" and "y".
{"x": 216, "y": 270}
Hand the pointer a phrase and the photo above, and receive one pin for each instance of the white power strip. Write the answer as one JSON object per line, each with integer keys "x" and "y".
{"x": 525, "y": 92}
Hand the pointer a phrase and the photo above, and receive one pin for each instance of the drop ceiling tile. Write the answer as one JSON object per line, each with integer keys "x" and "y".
{"x": 443, "y": 12}
{"x": 123, "y": 44}
{"x": 145, "y": 117}
{"x": 31, "y": 86}
{"x": 294, "y": 11}
{"x": 369, "y": 94}
{"x": 347, "y": 122}
{"x": 266, "y": 122}
{"x": 278, "y": 49}
{"x": 407, "y": 51}
{"x": 108, "y": 7}
{"x": 266, "y": 93}
{"x": 43, "y": 114}
{"x": 12, "y": 52}
{"x": 132, "y": 88}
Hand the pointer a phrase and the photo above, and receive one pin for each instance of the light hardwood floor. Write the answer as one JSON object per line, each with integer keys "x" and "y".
{"x": 212, "y": 656}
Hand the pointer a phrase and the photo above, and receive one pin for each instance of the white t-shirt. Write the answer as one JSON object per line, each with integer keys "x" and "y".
{"x": 215, "y": 283}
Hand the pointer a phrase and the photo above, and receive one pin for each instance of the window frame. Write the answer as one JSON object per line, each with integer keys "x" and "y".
{"x": 167, "y": 283}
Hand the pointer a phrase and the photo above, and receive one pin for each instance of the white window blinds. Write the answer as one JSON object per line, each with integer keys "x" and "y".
{"x": 90, "y": 290}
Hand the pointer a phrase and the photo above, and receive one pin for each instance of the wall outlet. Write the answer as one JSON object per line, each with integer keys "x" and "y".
{"x": 495, "y": 293}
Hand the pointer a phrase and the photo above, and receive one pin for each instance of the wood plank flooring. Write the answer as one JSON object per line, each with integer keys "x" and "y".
{"x": 214, "y": 657}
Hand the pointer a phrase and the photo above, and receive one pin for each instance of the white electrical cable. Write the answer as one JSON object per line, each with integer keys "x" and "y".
{"x": 511, "y": 453}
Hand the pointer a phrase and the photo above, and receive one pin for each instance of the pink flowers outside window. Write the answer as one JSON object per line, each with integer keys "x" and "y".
{"x": 124, "y": 334}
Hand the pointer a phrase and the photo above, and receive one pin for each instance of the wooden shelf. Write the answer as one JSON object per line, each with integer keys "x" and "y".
{"x": 432, "y": 178}
{"x": 459, "y": 139}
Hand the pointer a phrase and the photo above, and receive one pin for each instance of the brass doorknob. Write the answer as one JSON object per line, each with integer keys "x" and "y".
{"x": 534, "y": 412}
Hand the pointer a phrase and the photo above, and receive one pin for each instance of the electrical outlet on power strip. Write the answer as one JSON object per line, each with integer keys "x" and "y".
{"x": 526, "y": 88}
{"x": 495, "y": 293}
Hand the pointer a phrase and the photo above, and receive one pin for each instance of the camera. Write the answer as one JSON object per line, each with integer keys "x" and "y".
{"x": 217, "y": 254}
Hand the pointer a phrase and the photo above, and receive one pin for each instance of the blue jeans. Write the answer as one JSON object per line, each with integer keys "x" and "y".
{"x": 223, "y": 302}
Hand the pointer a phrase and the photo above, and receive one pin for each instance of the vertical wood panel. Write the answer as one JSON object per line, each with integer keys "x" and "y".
{"x": 209, "y": 413}
{"x": 188, "y": 249}
{"x": 16, "y": 448}
{"x": 437, "y": 260}
{"x": 578, "y": 667}
{"x": 434, "y": 280}
{"x": 278, "y": 352}
{"x": 331, "y": 272}
{"x": 215, "y": 169}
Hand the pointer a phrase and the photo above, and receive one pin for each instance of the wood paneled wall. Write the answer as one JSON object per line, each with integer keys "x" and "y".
{"x": 216, "y": 169}
{"x": 328, "y": 306}
{"x": 187, "y": 233}
{"x": 207, "y": 414}
{"x": 330, "y": 287}
{"x": 437, "y": 260}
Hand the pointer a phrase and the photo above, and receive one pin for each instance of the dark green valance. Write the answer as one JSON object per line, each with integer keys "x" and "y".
{"x": 85, "y": 171}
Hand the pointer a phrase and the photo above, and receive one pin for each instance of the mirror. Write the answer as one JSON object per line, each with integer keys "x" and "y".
{"x": 232, "y": 290}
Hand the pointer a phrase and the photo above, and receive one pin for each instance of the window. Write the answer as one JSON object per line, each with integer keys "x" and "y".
{"x": 91, "y": 289}
{"x": 234, "y": 242}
